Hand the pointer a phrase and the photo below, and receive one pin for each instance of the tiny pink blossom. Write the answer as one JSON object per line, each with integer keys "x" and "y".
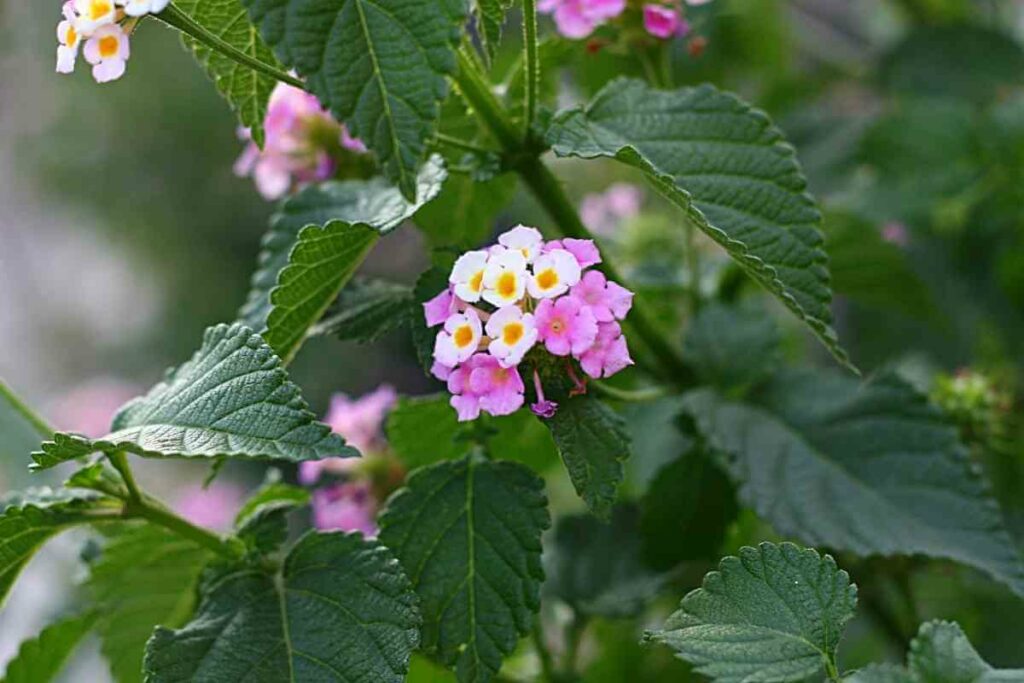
{"x": 608, "y": 301}
{"x": 661, "y": 21}
{"x": 214, "y": 507}
{"x": 108, "y": 50}
{"x": 602, "y": 212}
{"x": 361, "y": 421}
{"x": 578, "y": 18}
{"x": 441, "y": 371}
{"x": 895, "y": 232}
{"x": 345, "y": 507}
{"x": 585, "y": 251}
{"x": 440, "y": 308}
{"x": 609, "y": 353}
{"x": 565, "y": 326}
{"x": 482, "y": 384}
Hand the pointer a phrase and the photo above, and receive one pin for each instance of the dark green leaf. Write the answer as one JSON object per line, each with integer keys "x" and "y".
{"x": 941, "y": 653}
{"x": 868, "y": 468}
{"x": 41, "y": 659}
{"x": 232, "y": 399}
{"x": 381, "y": 66}
{"x": 775, "y": 613}
{"x": 367, "y": 310}
{"x": 145, "y": 577}
{"x": 263, "y": 520}
{"x": 468, "y": 532}
{"x": 246, "y": 90}
{"x": 464, "y": 214}
{"x": 371, "y": 203}
{"x": 593, "y": 441}
{"x": 733, "y": 348}
{"x": 597, "y": 568}
{"x": 730, "y": 171}
{"x": 339, "y": 609}
{"x": 425, "y": 430}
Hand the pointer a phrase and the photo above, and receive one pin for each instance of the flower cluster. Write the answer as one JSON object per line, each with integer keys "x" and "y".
{"x": 579, "y": 18}
{"x": 302, "y": 141}
{"x": 520, "y": 295}
{"x": 105, "y": 25}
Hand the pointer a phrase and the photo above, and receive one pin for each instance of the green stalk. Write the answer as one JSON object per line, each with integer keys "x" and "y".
{"x": 120, "y": 462}
{"x": 32, "y": 417}
{"x": 532, "y": 62}
{"x": 152, "y": 511}
{"x": 175, "y": 18}
{"x": 629, "y": 395}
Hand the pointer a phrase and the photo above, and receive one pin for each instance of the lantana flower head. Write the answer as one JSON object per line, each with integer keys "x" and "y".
{"x": 578, "y": 18}
{"x": 521, "y": 306}
{"x": 663, "y": 21}
{"x": 108, "y": 50}
{"x": 68, "y": 38}
{"x": 105, "y": 25}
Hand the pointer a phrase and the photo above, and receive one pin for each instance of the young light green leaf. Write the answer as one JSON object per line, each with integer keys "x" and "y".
{"x": 729, "y": 170}
{"x": 593, "y": 441}
{"x": 339, "y": 609}
{"x": 246, "y": 90}
{"x": 941, "y": 653}
{"x": 733, "y": 347}
{"x": 381, "y": 66}
{"x": 775, "y": 613}
{"x": 145, "y": 577}
{"x": 30, "y": 518}
{"x": 41, "y": 659}
{"x": 867, "y": 468}
{"x": 366, "y": 311}
{"x": 468, "y": 533}
{"x": 231, "y": 399}
{"x": 597, "y": 568}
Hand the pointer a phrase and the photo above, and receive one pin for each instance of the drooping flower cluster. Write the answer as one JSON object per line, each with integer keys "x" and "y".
{"x": 524, "y": 296}
{"x": 300, "y": 146}
{"x": 579, "y": 18}
{"x": 105, "y": 26}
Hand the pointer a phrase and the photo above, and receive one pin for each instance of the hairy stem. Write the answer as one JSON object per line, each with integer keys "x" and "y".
{"x": 32, "y": 417}
{"x": 532, "y": 62}
{"x": 175, "y": 18}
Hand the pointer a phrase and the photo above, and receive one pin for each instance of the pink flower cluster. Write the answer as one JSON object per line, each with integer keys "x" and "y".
{"x": 105, "y": 25}
{"x": 604, "y": 212}
{"x": 579, "y": 18}
{"x": 295, "y": 152}
{"x": 520, "y": 295}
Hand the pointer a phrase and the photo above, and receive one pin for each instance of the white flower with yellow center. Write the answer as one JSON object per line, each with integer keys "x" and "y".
{"x": 468, "y": 276}
{"x": 138, "y": 8}
{"x": 459, "y": 340}
{"x": 107, "y": 50}
{"x": 512, "y": 334}
{"x": 505, "y": 277}
{"x": 527, "y": 241}
{"x": 93, "y": 14}
{"x": 553, "y": 274}
{"x": 70, "y": 41}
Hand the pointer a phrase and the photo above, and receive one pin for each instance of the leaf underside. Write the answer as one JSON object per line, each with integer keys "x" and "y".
{"x": 41, "y": 659}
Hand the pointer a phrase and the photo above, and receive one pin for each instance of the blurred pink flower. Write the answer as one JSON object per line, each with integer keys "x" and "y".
{"x": 603, "y": 212}
{"x": 896, "y": 233}
{"x": 360, "y": 422}
{"x": 345, "y": 507}
{"x": 213, "y": 507}
{"x": 90, "y": 408}
{"x": 578, "y": 18}
{"x": 663, "y": 22}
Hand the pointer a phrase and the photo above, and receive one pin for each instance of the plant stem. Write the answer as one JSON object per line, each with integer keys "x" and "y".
{"x": 32, "y": 417}
{"x": 632, "y": 396}
{"x": 478, "y": 94}
{"x": 175, "y": 18}
{"x": 573, "y": 636}
{"x": 152, "y": 511}
{"x": 830, "y": 670}
{"x": 461, "y": 144}
{"x": 547, "y": 666}
{"x": 532, "y": 62}
{"x": 120, "y": 462}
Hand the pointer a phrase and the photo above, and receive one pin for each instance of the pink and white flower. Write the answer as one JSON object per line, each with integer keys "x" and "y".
{"x": 585, "y": 251}
{"x": 565, "y": 326}
{"x": 554, "y": 273}
{"x": 467, "y": 276}
{"x": 345, "y": 507}
{"x": 512, "y": 334}
{"x": 528, "y": 241}
{"x": 460, "y": 338}
{"x": 93, "y": 14}
{"x": 608, "y": 301}
{"x": 69, "y": 39}
{"x": 578, "y": 18}
{"x": 483, "y": 384}
{"x": 663, "y": 22}
{"x": 603, "y": 212}
{"x": 138, "y": 8}
{"x": 108, "y": 51}
{"x": 505, "y": 277}
{"x": 608, "y": 354}
{"x": 440, "y": 308}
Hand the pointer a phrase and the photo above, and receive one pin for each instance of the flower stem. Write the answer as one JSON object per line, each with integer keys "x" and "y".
{"x": 632, "y": 396}
{"x": 175, "y": 18}
{"x": 120, "y": 462}
{"x": 532, "y": 63}
{"x": 32, "y": 417}
{"x": 547, "y": 665}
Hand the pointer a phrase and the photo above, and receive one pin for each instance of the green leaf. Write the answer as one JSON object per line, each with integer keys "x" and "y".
{"x": 41, "y": 659}
{"x": 468, "y": 533}
{"x": 30, "y": 518}
{"x": 731, "y": 347}
{"x": 262, "y": 522}
{"x": 246, "y": 90}
{"x": 880, "y": 673}
{"x": 381, "y": 66}
{"x": 338, "y": 609}
{"x": 868, "y": 468}
{"x": 597, "y": 568}
{"x": 367, "y": 310}
{"x": 19, "y": 436}
{"x": 424, "y": 430}
{"x": 464, "y": 213}
{"x": 775, "y": 613}
{"x": 593, "y": 441}
{"x": 729, "y": 170}
{"x": 145, "y": 577}
{"x": 490, "y": 19}
{"x": 231, "y": 399}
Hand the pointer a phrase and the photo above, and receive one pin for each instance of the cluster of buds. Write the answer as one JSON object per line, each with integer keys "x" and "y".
{"x": 579, "y": 18}
{"x": 105, "y": 26}
{"x": 525, "y": 301}
{"x": 303, "y": 144}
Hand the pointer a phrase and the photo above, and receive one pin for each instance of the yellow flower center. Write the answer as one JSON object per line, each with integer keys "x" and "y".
{"x": 547, "y": 278}
{"x": 463, "y": 336}
{"x": 477, "y": 281}
{"x": 98, "y": 9}
{"x": 108, "y": 46}
{"x": 71, "y": 39}
{"x": 512, "y": 333}
{"x": 506, "y": 285}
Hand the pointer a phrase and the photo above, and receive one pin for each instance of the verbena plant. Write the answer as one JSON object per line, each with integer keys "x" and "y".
{"x": 402, "y": 118}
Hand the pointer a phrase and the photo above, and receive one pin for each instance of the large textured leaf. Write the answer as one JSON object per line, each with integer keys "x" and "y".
{"x": 775, "y": 613}
{"x": 339, "y": 609}
{"x": 730, "y": 171}
{"x": 733, "y": 347}
{"x": 593, "y": 441}
{"x": 465, "y": 211}
{"x": 232, "y": 399}
{"x": 468, "y": 533}
{"x": 871, "y": 469}
{"x": 246, "y": 90}
{"x": 367, "y": 310}
{"x": 30, "y": 518}
{"x": 18, "y": 435}
{"x": 145, "y": 577}
{"x": 381, "y": 66}
{"x": 40, "y": 660}
{"x": 597, "y": 568}
{"x": 374, "y": 203}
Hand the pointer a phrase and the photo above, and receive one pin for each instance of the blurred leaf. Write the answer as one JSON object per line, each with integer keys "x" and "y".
{"x": 593, "y": 442}
{"x": 231, "y": 399}
{"x": 262, "y": 522}
{"x": 422, "y": 670}
{"x": 597, "y": 567}
{"x": 468, "y": 532}
{"x": 522, "y": 437}
{"x": 18, "y": 435}
{"x": 339, "y": 608}
{"x": 490, "y": 19}
{"x": 41, "y": 659}
{"x": 367, "y": 310}
{"x": 555, "y": 53}
{"x": 869, "y": 468}
{"x": 246, "y": 90}
{"x": 464, "y": 213}
{"x": 145, "y": 577}
{"x": 729, "y": 170}
{"x": 30, "y": 518}
{"x": 381, "y": 67}
{"x": 880, "y": 673}
{"x": 733, "y": 347}
{"x": 656, "y": 438}
{"x": 775, "y": 613}
{"x": 424, "y": 430}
